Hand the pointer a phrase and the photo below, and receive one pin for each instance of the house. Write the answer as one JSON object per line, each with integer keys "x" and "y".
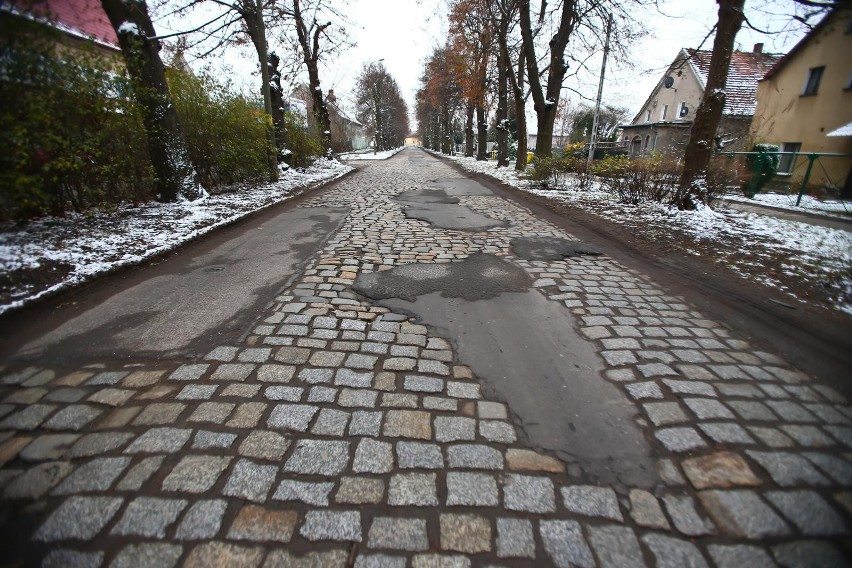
{"x": 804, "y": 104}
{"x": 347, "y": 134}
{"x": 81, "y": 22}
{"x": 413, "y": 140}
{"x": 559, "y": 141}
{"x": 665, "y": 120}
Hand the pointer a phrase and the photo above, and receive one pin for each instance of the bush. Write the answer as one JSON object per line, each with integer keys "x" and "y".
{"x": 634, "y": 181}
{"x": 226, "y": 134}
{"x": 69, "y": 136}
{"x": 557, "y": 171}
{"x": 73, "y": 138}
{"x": 545, "y": 170}
{"x": 579, "y": 168}
{"x": 763, "y": 164}
{"x": 303, "y": 146}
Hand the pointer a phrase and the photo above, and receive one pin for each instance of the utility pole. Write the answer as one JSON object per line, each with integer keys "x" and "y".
{"x": 600, "y": 94}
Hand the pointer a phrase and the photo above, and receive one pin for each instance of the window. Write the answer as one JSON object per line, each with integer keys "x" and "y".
{"x": 648, "y": 116}
{"x": 814, "y": 77}
{"x": 788, "y": 162}
{"x": 684, "y": 110}
{"x": 647, "y": 141}
{"x": 665, "y": 112}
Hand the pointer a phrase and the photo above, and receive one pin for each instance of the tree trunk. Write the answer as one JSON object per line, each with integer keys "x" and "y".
{"x": 481, "y": 133}
{"x": 503, "y": 72}
{"x": 699, "y": 149}
{"x": 545, "y": 101}
{"x": 253, "y": 18}
{"x": 310, "y": 53}
{"x": 520, "y": 112}
{"x": 276, "y": 95}
{"x": 436, "y": 134}
{"x": 468, "y": 131}
{"x": 174, "y": 173}
{"x": 378, "y": 142}
{"x": 321, "y": 116}
{"x": 447, "y": 134}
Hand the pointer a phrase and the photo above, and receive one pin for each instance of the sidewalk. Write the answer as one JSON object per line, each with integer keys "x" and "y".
{"x": 831, "y": 220}
{"x": 340, "y": 432}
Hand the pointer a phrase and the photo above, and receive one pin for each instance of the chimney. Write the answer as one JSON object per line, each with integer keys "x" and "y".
{"x": 331, "y": 96}
{"x": 758, "y": 48}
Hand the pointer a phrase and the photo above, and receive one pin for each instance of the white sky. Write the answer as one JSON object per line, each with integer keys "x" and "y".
{"x": 404, "y": 32}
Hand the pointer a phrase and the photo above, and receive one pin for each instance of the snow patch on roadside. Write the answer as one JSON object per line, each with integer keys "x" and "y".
{"x": 86, "y": 245}
{"x": 383, "y": 155}
{"x": 776, "y": 252}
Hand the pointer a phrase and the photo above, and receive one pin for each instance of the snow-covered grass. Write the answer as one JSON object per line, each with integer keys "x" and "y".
{"x": 782, "y": 201}
{"x": 369, "y": 155}
{"x": 55, "y": 253}
{"x": 809, "y": 262}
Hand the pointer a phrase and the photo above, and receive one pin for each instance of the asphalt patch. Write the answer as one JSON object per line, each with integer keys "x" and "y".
{"x": 478, "y": 277}
{"x": 543, "y": 248}
{"x": 441, "y": 210}
{"x": 426, "y": 196}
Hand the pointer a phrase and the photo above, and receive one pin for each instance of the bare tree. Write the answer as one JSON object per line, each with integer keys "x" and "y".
{"x": 699, "y": 148}
{"x": 438, "y": 99}
{"x": 545, "y": 97}
{"x": 578, "y": 121}
{"x": 175, "y": 176}
{"x": 317, "y": 37}
{"x": 471, "y": 37}
{"x": 380, "y": 106}
{"x": 236, "y": 21}
{"x": 502, "y": 15}
{"x": 570, "y": 33}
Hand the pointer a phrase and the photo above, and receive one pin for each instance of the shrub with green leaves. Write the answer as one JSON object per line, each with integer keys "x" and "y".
{"x": 763, "y": 162}
{"x": 304, "y": 147}
{"x": 636, "y": 180}
{"x": 226, "y": 134}
{"x": 69, "y": 136}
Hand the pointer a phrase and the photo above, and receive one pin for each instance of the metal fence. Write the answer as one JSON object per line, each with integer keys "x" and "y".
{"x": 821, "y": 174}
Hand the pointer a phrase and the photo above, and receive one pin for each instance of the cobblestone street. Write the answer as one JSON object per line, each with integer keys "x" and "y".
{"x": 344, "y": 432}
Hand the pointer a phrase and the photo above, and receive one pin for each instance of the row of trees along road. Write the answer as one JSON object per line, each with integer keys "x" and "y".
{"x": 500, "y": 53}
{"x": 305, "y": 28}
{"x": 379, "y": 105}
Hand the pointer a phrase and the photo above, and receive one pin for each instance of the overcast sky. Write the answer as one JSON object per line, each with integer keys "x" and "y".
{"x": 404, "y": 32}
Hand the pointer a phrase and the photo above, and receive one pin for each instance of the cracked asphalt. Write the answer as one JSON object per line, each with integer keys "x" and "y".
{"x": 407, "y": 369}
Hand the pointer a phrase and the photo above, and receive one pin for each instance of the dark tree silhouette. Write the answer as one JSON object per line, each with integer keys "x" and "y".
{"x": 175, "y": 176}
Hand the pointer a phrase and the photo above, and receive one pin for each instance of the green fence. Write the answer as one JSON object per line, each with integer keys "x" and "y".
{"x": 800, "y": 171}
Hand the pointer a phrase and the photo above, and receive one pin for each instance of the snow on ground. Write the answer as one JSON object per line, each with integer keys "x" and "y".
{"x": 788, "y": 202}
{"x": 58, "y": 252}
{"x": 807, "y": 261}
{"x": 369, "y": 155}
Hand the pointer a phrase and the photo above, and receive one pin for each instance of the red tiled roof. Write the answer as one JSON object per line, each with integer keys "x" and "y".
{"x": 747, "y": 69}
{"x": 85, "y": 18}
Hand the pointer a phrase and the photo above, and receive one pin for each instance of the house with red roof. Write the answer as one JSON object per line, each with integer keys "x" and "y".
{"x": 78, "y": 20}
{"x": 665, "y": 120}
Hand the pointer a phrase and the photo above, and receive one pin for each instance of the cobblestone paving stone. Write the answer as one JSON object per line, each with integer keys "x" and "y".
{"x": 339, "y": 431}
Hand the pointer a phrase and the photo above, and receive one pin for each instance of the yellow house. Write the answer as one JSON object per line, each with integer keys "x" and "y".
{"x": 804, "y": 104}
{"x": 413, "y": 140}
